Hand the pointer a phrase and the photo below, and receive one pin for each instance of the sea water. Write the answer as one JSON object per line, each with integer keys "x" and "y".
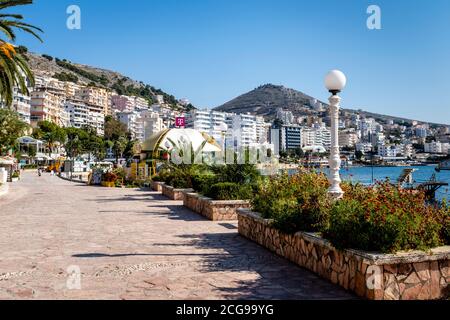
{"x": 370, "y": 175}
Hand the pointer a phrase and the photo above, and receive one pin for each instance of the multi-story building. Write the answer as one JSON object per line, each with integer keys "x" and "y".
{"x": 48, "y": 106}
{"x": 71, "y": 89}
{"x": 387, "y": 151}
{"x": 243, "y": 132}
{"x": 82, "y": 115}
{"x": 151, "y": 123}
{"x": 286, "y": 117}
{"x": 319, "y": 135}
{"x": 134, "y": 124}
{"x": 437, "y": 147}
{"x": 209, "y": 122}
{"x": 122, "y": 103}
{"x": 22, "y": 105}
{"x": 421, "y": 132}
{"x": 406, "y": 150}
{"x": 98, "y": 97}
{"x": 348, "y": 138}
{"x": 364, "y": 147}
{"x": 262, "y": 130}
{"x": 290, "y": 137}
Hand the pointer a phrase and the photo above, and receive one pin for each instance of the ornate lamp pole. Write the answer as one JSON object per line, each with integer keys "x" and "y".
{"x": 335, "y": 81}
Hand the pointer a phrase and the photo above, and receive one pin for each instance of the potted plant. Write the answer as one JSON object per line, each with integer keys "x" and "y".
{"x": 109, "y": 180}
{"x": 15, "y": 177}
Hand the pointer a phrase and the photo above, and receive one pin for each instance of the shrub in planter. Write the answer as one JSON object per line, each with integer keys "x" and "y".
{"x": 295, "y": 203}
{"x": 230, "y": 191}
{"x": 180, "y": 176}
{"x": 202, "y": 183}
{"x": 386, "y": 218}
{"x": 237, "y": 173}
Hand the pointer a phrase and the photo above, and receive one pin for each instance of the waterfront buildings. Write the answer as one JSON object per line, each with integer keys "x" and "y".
{"x": 437, "y": 147}
{"x": 243, "y": 130}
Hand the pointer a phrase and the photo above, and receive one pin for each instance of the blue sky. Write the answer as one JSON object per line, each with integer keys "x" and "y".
{"x": 210, "y": 51}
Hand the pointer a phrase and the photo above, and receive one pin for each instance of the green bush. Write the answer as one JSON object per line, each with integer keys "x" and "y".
{"x": 230, "y": 191}
{"x": 386, "y": 218}
{"x": 202, "y": 183}
{"x": 294, "y": 203}
{"x": 237, "y": 173}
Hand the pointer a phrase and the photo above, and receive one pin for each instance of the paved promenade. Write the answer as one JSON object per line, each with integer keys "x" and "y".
{"x": 132, "y": 244}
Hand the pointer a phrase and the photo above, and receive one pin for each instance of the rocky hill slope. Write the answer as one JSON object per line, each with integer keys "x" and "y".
{"x": 65, "y": 70}
{"x": 266, "y": 99}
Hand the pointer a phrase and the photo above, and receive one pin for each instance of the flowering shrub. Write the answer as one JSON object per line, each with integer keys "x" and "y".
{"x": 295, "y": 203}
{"x": 386, "y": 218}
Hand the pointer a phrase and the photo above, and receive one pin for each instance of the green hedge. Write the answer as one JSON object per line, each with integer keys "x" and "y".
{"x": 230, "y": 191}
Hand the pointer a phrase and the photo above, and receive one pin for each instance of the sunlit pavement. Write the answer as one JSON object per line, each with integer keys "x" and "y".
{"x": 132, "y": 244}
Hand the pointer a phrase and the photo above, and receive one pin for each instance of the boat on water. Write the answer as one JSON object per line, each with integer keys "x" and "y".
{"x": 444, "y": 165}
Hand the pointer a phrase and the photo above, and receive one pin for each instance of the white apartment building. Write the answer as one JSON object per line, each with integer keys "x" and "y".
{"x": 243, "y": 133}
{"x": 316, "y": 136}
{"x": 151, "y": 123}
{"x": 242, "y": 129}
{"x": 209, "y": 122}
{"x": 22, "y": 105}
{"x": 134, "y": 124}
{"x": 437, "y": 147}
{"x": 364, "y": 147}
{"x": 387, "y": 151}
{"x": 406, "y": 150}
{"x": 81, "y": 115}
{"x": 287, "y": 117}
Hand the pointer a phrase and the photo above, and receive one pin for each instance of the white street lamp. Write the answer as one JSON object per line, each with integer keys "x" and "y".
{"x": 335, "y": 82}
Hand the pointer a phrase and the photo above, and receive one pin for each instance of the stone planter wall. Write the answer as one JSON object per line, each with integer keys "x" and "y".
{"x": 157, "y": 186}
{"x": 215, "y": 210}
{"x": 174, "y": 194}
{"x": 404, "y": 276}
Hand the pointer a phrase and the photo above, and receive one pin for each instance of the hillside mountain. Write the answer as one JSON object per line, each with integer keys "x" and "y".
{"x": 65, "y": 70}
{"x": 266, "y": 99}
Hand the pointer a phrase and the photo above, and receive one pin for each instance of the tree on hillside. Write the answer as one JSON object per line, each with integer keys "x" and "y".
{"x": 11, "y": 129}
{"x": 14, "y": 69}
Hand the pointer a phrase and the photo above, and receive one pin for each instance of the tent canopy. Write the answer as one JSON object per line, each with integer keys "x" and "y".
{"x": 169, "y": 139}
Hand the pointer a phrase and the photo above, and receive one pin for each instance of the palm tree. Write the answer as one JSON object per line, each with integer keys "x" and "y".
{"x": 14, "y": 69}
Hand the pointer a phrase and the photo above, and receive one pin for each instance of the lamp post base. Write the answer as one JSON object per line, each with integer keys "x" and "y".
{"x": 336, "y": 195}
